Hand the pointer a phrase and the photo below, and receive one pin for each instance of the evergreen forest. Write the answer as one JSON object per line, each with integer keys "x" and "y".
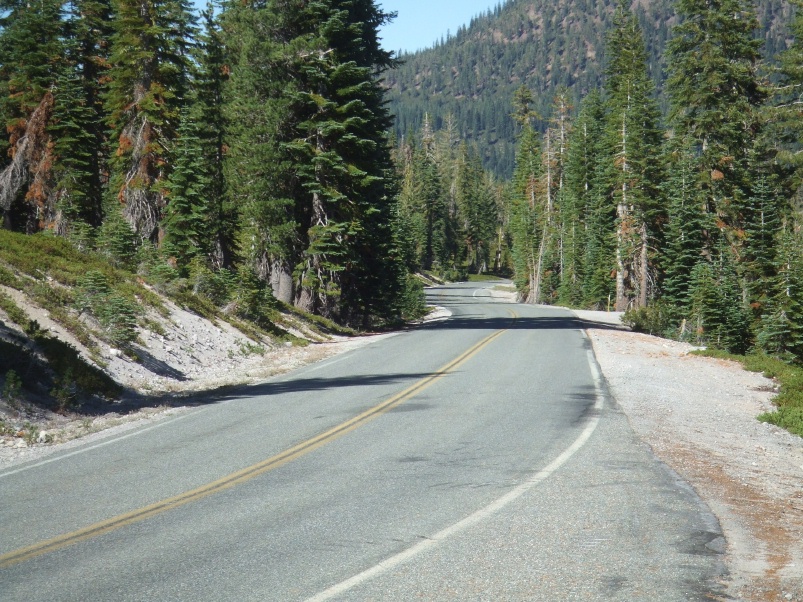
{"x": 655, "y": 171}
{"x": 245, "y": 147}
{"x": 469, "y": 76}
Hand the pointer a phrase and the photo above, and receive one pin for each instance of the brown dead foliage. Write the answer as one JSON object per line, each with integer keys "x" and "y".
{"x": 776, "y": 525}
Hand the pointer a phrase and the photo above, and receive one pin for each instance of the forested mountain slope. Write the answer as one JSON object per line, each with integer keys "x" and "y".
{"x": 467, "y": 80}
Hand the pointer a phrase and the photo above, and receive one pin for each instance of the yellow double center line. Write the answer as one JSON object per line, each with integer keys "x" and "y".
{"x": 246, "y": 474}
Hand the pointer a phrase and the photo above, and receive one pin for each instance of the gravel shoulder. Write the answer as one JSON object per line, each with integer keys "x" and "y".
{"x": 699, "y": 417}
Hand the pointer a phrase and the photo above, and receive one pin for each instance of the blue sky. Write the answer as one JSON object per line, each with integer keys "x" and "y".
{"x": 421, "y": 22}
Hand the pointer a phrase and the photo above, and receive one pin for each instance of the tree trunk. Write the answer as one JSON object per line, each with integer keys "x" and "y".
{"x": 622, "y": 214}
{"x": 643, "y": 268}
{"x": 281, "y": 281}
{"x": 536, "y": 289}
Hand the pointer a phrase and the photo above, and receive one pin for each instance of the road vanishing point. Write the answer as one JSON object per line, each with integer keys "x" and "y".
{"x": 478, "y": 458}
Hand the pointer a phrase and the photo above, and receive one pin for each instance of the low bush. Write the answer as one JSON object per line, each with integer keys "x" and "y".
{"x": 13, "y": 311}
{"x": 116, "y": 314}
{"x": 654, "y": 319}
{"x": 413, "y": 303}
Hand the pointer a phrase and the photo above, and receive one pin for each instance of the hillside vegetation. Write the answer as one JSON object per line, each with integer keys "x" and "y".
{"x": 69, "y": 320}
{"x": 467, "y": 80}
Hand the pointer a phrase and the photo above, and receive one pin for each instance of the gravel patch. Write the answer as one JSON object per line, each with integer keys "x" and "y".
{"x": 699, "y": 416}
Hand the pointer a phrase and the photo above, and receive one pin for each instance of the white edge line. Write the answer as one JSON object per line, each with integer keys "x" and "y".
{"x": 82, "y": 450}
{"x": 482, "y": 514}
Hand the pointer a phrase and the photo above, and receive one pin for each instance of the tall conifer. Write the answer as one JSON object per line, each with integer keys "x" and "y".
{"x": 523, "y": 198}
{"x": 633, "y": 138}
{"x": 31, "y": 54}
{"x": 208, "y": 114}
{"x": 149, "y": 77}
{"x": 714, "y": 95}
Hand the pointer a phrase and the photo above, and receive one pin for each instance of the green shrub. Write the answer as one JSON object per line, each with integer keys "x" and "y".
{"x": 12, "y": 388}
{"x": 455, "y": 274}
{"x": 116, "y": 314}
{"x": 253, "y": 298}
{"x": 68, "y": 365}
{"x": 654, "y": 319}
{"x": 789, "y": 402}
{"x": 116, "y": 241}
{"x": 65, "y": 392}
{"x": 789, "y": 418}
{"x": 7, "y": 278}
{"x": 13, "y": 311}
{"x": 216, "y": 286}
{"x": 92, "y": 288}
{"x": 413, "y": 304}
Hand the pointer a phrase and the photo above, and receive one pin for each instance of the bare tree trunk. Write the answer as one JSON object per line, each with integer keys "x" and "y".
{"x": 549, "y": 175}
{"x": 622, "y": 214}
{"x": 643, "y": 271}
{"x": 539, "y": 268}
{"x": 281, "y": 281}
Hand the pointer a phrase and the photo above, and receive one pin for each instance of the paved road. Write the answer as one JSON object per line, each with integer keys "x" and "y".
{"x": 478, "y": 458}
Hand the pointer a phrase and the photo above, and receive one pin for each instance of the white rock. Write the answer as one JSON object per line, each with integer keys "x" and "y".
{"x": 115, "y": 352}
{"x": 43, "y": 437}
{"x": 20, "y": 444}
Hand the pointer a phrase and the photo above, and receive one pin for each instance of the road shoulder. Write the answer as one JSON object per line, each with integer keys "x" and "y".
{"x": 699, "y": 416}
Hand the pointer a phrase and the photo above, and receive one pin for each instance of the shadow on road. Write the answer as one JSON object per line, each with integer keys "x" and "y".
{"x": 477, "y": 322}
{"x": 303, "y": 385}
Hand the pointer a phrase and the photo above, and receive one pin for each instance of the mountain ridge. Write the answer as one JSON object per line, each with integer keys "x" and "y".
{"x": 542, "y": 44}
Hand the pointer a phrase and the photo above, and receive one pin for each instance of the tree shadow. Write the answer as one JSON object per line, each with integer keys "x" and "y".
{"x": 135, "y": 402}
{"x": 158, "y": 367}
{"x": 477, "y": 322}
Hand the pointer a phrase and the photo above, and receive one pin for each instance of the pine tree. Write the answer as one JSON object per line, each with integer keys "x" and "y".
{"x": 208, "y": 114}
{"x": 758, "y": 262}
{"x": 75, "y": 144}
{"x": 319, "y": 215}
{"x": 343, "y": 163}
{"x": 784, "y": 115}
{"x": 31, "y": 51}
{"x": 581, "y": 182}
{"x": 523, "y": 199}
{"x": 714, "y": 95}
{"x": 423, "y": 203}
{"x": 633, "y": 169}
{"x": 149, "y": 76}
{"x": 259, "y": 119}
{"x": 599, "y": 258}
{"x": 685, "y": 228}
{"x": 89, "y": 33}
{"x": 477, "y": 214}
{"x": 187, "y": 221}
{"x": 780, "y": 329}
{"x": 719, "y": 314}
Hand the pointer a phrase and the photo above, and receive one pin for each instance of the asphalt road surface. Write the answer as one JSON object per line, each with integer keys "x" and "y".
{"x": 477, "y": 458}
